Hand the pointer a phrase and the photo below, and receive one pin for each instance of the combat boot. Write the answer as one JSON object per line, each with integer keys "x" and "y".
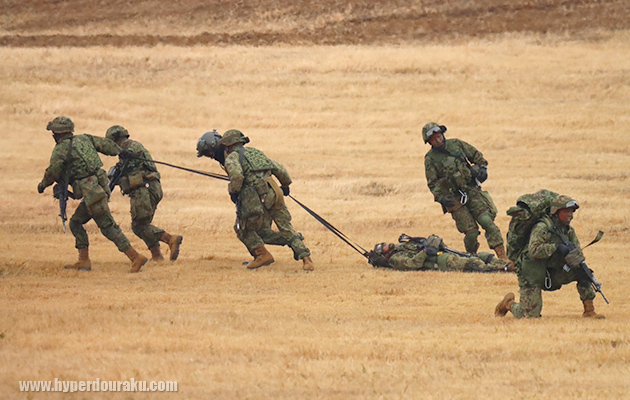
{"x": 589, "y": 310}
{"x": 173, "y": 241}
{"x": 504, "y": 305}
{"x": 500, "y": 251}
{"x": 156, "y": 254}
{"x": 137, "y": 259}
{"x": 263, "y": 257}
{"x": 307, "y": 264}
{"x": 84, "y": 263}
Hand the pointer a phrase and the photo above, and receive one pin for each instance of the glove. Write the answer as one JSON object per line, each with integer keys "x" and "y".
{"x": 482, "y": 174}
{"x": 126, "y": 154}
{"x": 234, "y": 197}
{"x": 431, "y": 251}
{"x": 285, "y": 190}
{"x": 40, "y": 187}
{"x": 574, "y": 258}
{"x": 378, "y": 260}
{"x": 564, "y": 249}
{"x": 447, "y": 201}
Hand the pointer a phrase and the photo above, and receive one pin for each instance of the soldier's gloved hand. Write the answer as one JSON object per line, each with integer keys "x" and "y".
{"x": 482, "y": 174}
{"x": 285, "y": 190}
{"x": 574, "y": 258}
{"x": 378, "y": 260}
{"x": 234, "y": 197}
{"x": 564, "y": 249}
{"x": 126, "y": 154}
{"x": 40, "y": 187}
{"x": 431, "y": 251}
{"x": 447, "y": 201}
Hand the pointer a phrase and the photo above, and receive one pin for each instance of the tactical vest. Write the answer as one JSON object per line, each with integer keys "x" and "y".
{"x": 452, "y": 168}
{"x": 84, "y": 160}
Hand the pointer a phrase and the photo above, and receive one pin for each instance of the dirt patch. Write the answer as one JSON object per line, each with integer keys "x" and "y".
{"x": 264, "y": 22}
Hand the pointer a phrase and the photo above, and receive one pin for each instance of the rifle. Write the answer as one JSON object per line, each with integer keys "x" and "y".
{"x": 115, "y": 174}
{"x": 61, "y": 193}
{"x": 589, "y": 272}
{"x": 423, "y": 241}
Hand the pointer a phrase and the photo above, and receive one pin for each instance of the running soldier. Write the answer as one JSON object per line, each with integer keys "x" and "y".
{"x": 75, "y": 161}
{"x": 454, "y": 171}
{"x": 258, "y": 197}
{"x": 140, "y": 180}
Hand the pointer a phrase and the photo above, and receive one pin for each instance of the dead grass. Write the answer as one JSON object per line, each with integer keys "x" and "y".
{"x": 345, "y": 121}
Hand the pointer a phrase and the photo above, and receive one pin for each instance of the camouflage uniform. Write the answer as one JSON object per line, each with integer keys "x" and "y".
{"x": 449, "y": 177}
{"x": 540, "y": 267}
{"x": 260, "y": 201}
{"x": 89, "y": 181}
{"x": 408, "y": 257}
{"x": 141, "y": 181}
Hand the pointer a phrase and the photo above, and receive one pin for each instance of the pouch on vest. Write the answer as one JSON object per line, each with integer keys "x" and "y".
{"x": 131, "y": 182}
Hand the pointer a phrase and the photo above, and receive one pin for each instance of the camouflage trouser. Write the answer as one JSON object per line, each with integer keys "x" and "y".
{"x": 256, "y": 231}
{"x": 534, "y": 277}
{"x": 144, "y": 201}
{"x": 453, "y": 262}
{"x": 99, "y": 212}
{"x": 479, "y": 210}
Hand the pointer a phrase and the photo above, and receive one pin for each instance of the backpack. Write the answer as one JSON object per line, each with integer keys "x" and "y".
{"x": 529, "y": 209}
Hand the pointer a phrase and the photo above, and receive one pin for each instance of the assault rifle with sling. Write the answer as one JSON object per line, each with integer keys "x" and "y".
{"x": 60, "y": 191}
{"x": 115, "y": 174}
{"x": 421, "y": 242}
{"x": 589, "y": 272}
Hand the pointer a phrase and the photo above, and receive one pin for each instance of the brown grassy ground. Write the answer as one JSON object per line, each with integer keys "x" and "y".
{"x": 548, "y": 111}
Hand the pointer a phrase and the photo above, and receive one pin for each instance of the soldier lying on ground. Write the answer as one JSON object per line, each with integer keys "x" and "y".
{"x": 429, "y": 254}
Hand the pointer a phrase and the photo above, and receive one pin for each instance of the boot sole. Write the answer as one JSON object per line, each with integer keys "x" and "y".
{"x": 133, "y": 271}
{"x": 260, "y": 266}
{"x": 175, "y": 253}
{"x": 86, "y": 269}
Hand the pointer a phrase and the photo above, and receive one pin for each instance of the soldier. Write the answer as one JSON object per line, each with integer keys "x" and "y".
{"x": 140, "y": 180}
{"x": 410, "y": 256}
{"x": 75, "y": 161}
{"x": 454, "y": 171}
{"x": 258, "y": 198}
{"x": 551, "y": 259}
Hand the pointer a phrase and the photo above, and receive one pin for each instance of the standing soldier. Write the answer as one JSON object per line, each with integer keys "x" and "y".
{"x": 255, "y": 193}
{"x": 140, "y": 180}
{"x": 552, "y": 258}
{"x": 75, "y": 161}
{"x": 455, "y": 171}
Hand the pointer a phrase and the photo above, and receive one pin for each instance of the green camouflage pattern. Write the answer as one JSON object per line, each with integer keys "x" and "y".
{"x": 407, "y": 257}
{"x": 447, "y": 173}
{"x": 143, "y": 199}
{"x": 259, "y": 204}
{"x": 540, "y": 267}
{"x": 89, "y": 182}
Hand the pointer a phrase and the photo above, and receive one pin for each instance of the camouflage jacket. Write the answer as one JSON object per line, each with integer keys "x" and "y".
{"x": 247, "y": 166}
{"x": 543, "y": 239}
{"x": 447, "y": 170}
{"x": 134, "y": 166}
{"x": 84, "y": 160}
{"x": 407, "y": 257}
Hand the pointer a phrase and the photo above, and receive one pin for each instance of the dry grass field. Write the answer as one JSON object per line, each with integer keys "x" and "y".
{"x": 342, "y": 110}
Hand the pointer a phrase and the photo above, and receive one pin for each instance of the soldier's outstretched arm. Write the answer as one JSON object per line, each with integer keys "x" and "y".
{"x": 106, "y": 146}
{"x": 280, "y": 172}
{"x": 56, "y": 166}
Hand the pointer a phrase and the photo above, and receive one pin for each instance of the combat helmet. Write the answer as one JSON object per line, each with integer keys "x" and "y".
{"x": 431, "y": 128}
{"x": 563, "y": 202}
{"x": 208, "y": 144}
{"x": 116, "y": 132}
{"x": 233, "y": 136}
{"x": 60, "y": 124}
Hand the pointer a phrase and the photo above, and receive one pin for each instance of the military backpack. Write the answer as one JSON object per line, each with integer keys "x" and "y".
{"x": 529, "y": 209}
